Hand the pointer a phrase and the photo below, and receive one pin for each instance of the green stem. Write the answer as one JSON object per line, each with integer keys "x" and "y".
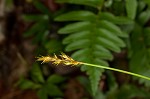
{"x": 118, "y": 70}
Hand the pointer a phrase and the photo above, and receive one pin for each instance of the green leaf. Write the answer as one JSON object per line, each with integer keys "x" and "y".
{"x": 76, "y": 36}
{"x": 147, "y": 1}
{"x": 36, "y": 74}
{"x": 111, "y": 80}
{"x": 108, "y": 44}
{"x": 99, "y": 61}
{"x": 95, "y": 73}
{"x": 131, "y": 8}
{"x": 93, "y": 3}
{"x": 34, "y": 17}
{"x": 107, "y": 34}
{"x": 144, "y": 17}
{"x": 141, "y": 6}
{"x": 101, "y": 48}
{"x": 77, "y": 16}
{"x": 53, "y": 90}
{"x": 77, "y": 55}
{"x": 53, "y": 46}
{"x": 140, "y": 59}
{"x": 78, "y": 45}
{"x": 94, "y": 76}
{"x": 55, "y": 79}
{"x": 42, "y": 93}
{"x": 130, "y": 91}
{"x": 34, "y": 29}
{"x": 42, "y": 7}
{"x": 41, "y": 35}
{"x": 75, "y": 27}
{"x": 27, "y": 84}
{"x": 115, "y": 19}
{"x": 85, "y": 83}
{"x": 103, "y": 55}
{"x": 115, "y": 30}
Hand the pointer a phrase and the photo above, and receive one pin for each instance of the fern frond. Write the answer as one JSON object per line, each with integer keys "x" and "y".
{"x": 92, "y": 41}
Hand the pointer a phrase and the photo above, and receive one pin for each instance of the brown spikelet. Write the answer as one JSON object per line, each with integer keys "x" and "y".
{"x": 64, "y": 59}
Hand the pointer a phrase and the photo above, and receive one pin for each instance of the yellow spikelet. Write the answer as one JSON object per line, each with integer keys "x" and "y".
{"x": 64, "y": 59}
{"x": 45, "y": 59}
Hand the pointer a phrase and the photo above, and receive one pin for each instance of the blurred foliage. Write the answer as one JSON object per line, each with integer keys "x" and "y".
{"x": 92, "y": 31}
{"x": 41, "y": 29}
{"x": 45, "y": 88}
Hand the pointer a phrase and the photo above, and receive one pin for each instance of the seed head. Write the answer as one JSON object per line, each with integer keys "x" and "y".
{"x": 62, "y": 59}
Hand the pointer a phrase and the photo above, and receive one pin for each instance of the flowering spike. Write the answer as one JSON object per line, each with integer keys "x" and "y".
{"x": 64, "y": 59}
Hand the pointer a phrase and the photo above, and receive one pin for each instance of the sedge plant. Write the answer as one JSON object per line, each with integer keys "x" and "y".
{"x": 68, "y": 61}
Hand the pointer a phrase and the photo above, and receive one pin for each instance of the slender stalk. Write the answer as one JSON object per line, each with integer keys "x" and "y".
{"x": 66, "y": 60}
{"x": 118, "y": 70}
